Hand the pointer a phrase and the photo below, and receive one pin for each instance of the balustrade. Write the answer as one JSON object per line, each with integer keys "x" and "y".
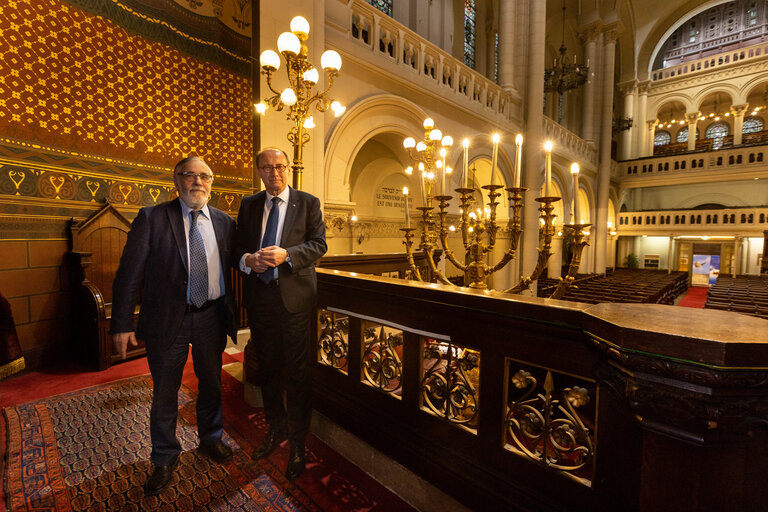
{"x": 538, "y": 404}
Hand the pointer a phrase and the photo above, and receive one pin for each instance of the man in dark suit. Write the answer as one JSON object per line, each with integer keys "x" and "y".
{"x": 178, "y": 253}
{"x": 280, "y": 236}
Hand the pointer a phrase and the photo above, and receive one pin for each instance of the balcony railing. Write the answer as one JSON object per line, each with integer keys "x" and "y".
{"x": 708, "y": 63}
{"x": 727, "y": 221}
{"x": 537, "y": 404}
{"x": 567, "y": 141}
{"x": 749, "y": 159}
{"x": 417, "y": 58}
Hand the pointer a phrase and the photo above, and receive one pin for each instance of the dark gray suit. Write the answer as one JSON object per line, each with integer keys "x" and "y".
{"x": 154, "y": 261}
{"x": 280, "y": 315}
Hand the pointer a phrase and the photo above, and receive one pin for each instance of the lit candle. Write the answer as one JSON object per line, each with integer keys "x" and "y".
{"x": 518, "y": 159}
{"x": 465, "y": 169}
{"x": 422, "y": 177}
{"x": 575, "y": 175}
{"x": 407, "y": 213}
{"x": 443, "y": 152}
{"x": 496, "y": 139}
{"x": 547, "y": 167}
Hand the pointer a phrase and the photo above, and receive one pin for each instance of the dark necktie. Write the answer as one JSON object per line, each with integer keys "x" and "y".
{"x": 198, "y": 264}
{"x": 270, "y": 236}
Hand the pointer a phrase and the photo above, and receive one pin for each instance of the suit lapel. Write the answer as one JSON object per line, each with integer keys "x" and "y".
{"x": 177, "y": 226}
{"x": 258, "y": 204}
{"x": 290, "y": 216}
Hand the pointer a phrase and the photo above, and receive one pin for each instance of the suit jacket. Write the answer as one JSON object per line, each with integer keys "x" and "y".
{"x": 303, "y": 237}
{"x": 154, "y": 261}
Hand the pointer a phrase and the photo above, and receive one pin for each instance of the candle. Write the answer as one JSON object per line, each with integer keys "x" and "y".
{"x": 496, "y": 139}
{"x": 465, "y": 169}
{"x": 547, "y": 167}
{"x": 443, "y": 152}
{"x": 407, "y": 213}
{"x": 422, "y": 177}
{"x": 575, "y": 175}
{"x": 518, "y": 159}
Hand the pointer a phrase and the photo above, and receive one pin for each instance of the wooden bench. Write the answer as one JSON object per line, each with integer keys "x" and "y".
{"x": 97, "y": 244}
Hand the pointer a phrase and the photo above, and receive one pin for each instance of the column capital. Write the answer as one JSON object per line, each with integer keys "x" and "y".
{"x": 588, "y": 33}
{"x": 644, "y": 87}
{"x": 612, "y": 31}
{"x": 627, "y": 86}
{"x": 692, "y": 117}
{"x": 738, "y": 110}
{"x": 651, "y": 125}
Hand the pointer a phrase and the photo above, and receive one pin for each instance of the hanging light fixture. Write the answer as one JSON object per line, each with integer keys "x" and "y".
{"x": 567, "y": 75}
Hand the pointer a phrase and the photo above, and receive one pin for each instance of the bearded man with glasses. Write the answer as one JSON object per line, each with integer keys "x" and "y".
{"x": 280, "y": 236}
{"x": 178, "y": 255}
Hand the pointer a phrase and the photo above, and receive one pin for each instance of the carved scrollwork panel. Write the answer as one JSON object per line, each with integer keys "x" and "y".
{"x": 382, "y": 366}
{"x": 333, "y": 340}
{"x": 551, "y": 419}
{"x": 450, "y": 382}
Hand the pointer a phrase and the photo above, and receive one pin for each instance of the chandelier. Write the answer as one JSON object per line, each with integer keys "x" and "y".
{"x": 302, "y": 91}
{"x": 567, "y": 75}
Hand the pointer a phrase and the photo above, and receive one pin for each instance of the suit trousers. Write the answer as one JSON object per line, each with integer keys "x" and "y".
{"x": 281, "y": 343}
{"x": 205, "y": 331}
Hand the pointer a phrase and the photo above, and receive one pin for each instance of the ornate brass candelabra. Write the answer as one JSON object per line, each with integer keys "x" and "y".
{"x": 479, "y": 227}
{"x": 299, "y": 96}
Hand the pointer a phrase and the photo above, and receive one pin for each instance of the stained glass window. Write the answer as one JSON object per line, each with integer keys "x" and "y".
{"x": 661, "y": 138}
{"x": 752, "y": 125}
{"x": 716, "y": 132}
{"x": 384, "y": 6}
{"x": 496, "y": 59}
{"x": 682, "y": 135}
{"x": 469, "y": 32}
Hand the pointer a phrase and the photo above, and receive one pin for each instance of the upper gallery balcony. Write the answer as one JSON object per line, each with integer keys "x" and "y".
{"x": 373, "y": 40}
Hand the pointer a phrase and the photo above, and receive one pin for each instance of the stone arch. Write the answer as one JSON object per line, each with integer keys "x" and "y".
{"x": 384, "y": 113}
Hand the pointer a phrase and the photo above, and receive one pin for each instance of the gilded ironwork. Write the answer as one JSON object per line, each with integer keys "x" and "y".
{"x": 545, "y": 426}
{"x": 333, "y": 340}
{"x": 450, "y": 381}
{"x": 382, "y": 367}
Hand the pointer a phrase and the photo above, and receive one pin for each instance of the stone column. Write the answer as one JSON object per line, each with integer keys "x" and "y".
{"x": 506, "y": 44}
{"x": 589, "y": 36}
{"x": 640, "y": 134}
{"x": 600, "y": 228}
{"x": 628, "y": 90}
{"x": 670, "y": 254}
{"x": 651, "y": 131}
{"x": 534, "y": 128}
{"x": 693, "y": 119}
{"x": 737, "y": 111}
{"x": 555, "y": 263}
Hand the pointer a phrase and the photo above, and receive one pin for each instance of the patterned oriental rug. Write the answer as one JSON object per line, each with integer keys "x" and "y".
{"x": 89, "y": 450}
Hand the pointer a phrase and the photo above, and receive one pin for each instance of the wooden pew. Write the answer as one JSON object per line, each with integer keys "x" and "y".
{"x": 97, "y": 244}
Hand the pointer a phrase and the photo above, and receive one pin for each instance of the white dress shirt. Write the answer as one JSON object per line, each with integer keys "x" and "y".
{"x": 205, "y": 226}
{"x": 282, "y": 208}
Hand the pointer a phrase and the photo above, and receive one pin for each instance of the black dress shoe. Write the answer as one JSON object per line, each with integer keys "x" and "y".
{"x": 296, "y": 463}
{"x": 216, "y": 451}
{"x": 160, "y": 478}
{"x": 269, "y": 444}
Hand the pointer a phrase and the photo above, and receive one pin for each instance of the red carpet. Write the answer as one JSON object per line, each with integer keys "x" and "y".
{"x": 330, "y": 483}
{"x": 695, "y": 297}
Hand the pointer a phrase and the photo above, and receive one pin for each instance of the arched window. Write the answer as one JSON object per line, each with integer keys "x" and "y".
{"x": 384, "y": 6}
{"x": 662, "y": 138}
{"x": 752, "y": 125}
{"x": 682, "y": 135}
{"x": 717, "y": 131}
{"x": 469, "y": 32}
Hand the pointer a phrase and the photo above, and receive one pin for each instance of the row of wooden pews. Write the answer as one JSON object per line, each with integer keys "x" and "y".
{"x": 747, "y": 294}
{"x": 623, "y": 285}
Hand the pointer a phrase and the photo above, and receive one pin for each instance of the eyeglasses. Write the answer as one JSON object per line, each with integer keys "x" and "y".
{"x": 280, "y": 168}
{"x": 191, "y": 176}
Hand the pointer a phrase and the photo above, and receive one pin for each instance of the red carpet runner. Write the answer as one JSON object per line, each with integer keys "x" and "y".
{"x": 695, "y": 297}
{"x": 89, "y": 450}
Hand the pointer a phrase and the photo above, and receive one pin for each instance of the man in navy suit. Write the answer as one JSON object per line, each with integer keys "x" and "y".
{"x": 280, "y": 236}
{"x": 178, "y": 254}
